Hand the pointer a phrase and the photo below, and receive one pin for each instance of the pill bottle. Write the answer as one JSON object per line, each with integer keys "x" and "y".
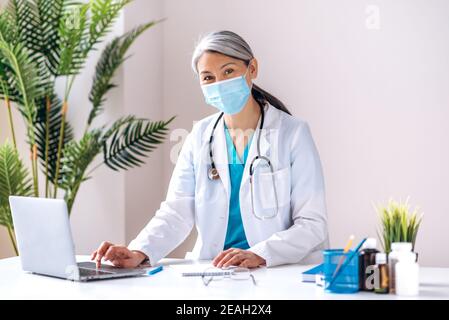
{"x": 407, "y": 275}
{"x": 367, "y": 261}
{"x": 397, "y": 248}
{"x": 381, "y": 272}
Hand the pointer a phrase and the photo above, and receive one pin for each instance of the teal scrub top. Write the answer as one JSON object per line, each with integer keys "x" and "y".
{"x": 235, "y": 235}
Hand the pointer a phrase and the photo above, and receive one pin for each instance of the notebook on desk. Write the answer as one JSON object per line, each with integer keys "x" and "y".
{"x": 310, "y": 275}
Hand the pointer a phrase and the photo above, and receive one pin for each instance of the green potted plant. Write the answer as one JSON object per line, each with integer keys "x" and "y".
{"x": 42, "y": 41}
{"x": 398, "y": 223}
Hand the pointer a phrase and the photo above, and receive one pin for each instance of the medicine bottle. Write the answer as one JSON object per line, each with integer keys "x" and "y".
{"x": 367, "y": 261}
{"x": 397, "y": 248}
{"x": 381, "y": 272}
{"x": 407, "y": 275}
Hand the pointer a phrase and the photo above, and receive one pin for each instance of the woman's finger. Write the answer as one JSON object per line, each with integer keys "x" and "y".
{"x": 226, "y": 258}
{"x": 93, "y": 255}
{"x": 249, "y": 263}
{"x": 103, "y": 248}
{"x": 122, "y": 252}
{"x": 123, "y": 263}
{"x": 234, "y": 261}
{"x": 220, "y": 256}
{"x": 245, "y": 263}
{"x": 252, "y": 261}
{"x": 101, "y": 251}
{"x": 110, "y": 253}
{"x": 117, "y": 263}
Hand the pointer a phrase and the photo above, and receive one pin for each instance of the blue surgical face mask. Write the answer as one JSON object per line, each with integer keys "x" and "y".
{"x": 228, "y": 96}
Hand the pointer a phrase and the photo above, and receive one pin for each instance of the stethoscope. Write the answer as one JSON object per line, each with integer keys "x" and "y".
{"x": 214, "y": 175}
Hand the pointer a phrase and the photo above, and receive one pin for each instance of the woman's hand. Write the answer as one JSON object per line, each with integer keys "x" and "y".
{"x": 238, "y": 257}
{"x": 119, "y": 256}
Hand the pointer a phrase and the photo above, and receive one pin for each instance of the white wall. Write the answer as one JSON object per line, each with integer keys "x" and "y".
{"x": 143, "y": 97}
{"x": 375, "y": 99}
{"x": 99, "y": 210}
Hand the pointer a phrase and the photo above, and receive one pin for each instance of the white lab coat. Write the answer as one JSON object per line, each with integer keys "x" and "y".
{"x": 297, "y": 234}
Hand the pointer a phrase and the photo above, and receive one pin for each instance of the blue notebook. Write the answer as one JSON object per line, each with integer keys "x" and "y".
{"x": 310, "y": 275}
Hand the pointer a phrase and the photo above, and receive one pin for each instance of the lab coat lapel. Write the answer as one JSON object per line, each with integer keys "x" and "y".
{"x": 221, "y": 156}
{"x": 220, "y": 148}
{"x": 264, "y": 143}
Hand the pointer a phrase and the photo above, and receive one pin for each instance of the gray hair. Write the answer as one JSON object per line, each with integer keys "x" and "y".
{"x": 232, "y": 45}
{"x": 224, "y": 42}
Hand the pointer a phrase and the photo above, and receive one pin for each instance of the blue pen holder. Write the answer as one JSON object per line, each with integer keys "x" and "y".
{"x": 347, "y": 280}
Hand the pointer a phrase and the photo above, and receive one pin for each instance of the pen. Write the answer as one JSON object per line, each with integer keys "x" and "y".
{"x": 342, "y": 258}
{"x": 348, "y": 260}
{"x": 155, "y": 270}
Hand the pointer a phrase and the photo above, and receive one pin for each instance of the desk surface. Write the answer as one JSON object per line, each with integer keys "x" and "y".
{"x": 282, "y": 282}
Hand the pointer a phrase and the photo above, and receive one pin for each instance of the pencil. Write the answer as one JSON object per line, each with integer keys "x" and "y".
{"x": 345, "y": 250}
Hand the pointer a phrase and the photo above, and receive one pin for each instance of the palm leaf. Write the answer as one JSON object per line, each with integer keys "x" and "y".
{"x": 5, "y": 216}
{"x": 7, "y": 28}
{"x": 73, "y": 34}
{"x": 35, "y": 23}
{"x": 132, "y": 141}
{"x": 14, "y": 180}
{"x": 6, "y": 88}
{"x": 117, "y": 125}
{"x": 77, "y": 157}
{"x": 51, "y": 13}
{"x": 6, "y": 35}
{"x": 53, "y": 133}
{"x": 24, "y": 17}
{"x": 104, "y": 13}
{"x": 22, "y": 74}
{"x": 81, "y": 29}
{"x": 111, "y": 59}
{"x": 24, "y": 22}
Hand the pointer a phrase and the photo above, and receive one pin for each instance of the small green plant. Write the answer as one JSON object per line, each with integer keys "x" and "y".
{"x": 15, "y": 181}
{"x": 398, "y": 223}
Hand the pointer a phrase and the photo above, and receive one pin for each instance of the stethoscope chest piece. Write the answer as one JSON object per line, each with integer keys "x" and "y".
{"x": 213, "y": 174}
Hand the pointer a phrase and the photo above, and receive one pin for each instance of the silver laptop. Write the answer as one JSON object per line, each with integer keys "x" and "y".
{"x": 45, "y": 242}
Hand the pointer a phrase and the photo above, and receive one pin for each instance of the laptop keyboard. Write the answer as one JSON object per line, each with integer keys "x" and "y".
{"x": 92, "y": 272}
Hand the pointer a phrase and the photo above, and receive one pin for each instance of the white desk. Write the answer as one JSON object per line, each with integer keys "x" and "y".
{"x": 275, "y": 283}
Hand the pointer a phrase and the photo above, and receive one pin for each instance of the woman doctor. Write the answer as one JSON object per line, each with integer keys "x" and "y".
{"x": 248, "y": 177}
